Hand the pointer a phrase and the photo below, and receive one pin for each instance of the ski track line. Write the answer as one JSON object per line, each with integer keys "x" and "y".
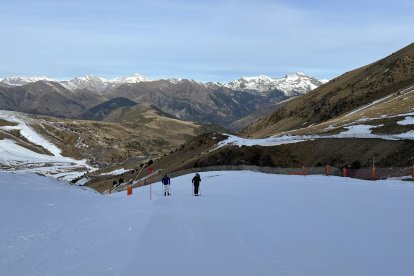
{"x": 195, "y": 244}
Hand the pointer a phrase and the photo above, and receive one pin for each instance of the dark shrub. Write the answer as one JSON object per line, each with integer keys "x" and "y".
{"x": 356, "y": 165}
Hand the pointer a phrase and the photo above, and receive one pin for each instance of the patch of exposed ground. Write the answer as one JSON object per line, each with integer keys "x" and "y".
{"x": 6, "y": 123}
{"x": 337, "y": 152}
{"x": 390, "y": 126}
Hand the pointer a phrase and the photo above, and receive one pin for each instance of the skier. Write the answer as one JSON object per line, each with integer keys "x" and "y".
{"x": 196, "y": 183}
{"x": 166, "y": 184}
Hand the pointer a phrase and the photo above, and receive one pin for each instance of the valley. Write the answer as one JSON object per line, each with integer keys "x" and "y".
{"x": 364, "y": 114}
{"x": 207, "y": 138}
{"x": 217, "y": 103}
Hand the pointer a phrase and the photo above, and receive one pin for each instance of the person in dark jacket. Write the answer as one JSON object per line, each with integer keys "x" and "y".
{"x": 166, "y": 184}
{"x": 196, "y": 183}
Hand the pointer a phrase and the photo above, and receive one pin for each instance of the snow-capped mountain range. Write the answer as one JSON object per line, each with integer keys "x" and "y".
{"x": 99, "y": 84}
{"x": 293, "y": 84}
{"x": 17, "y": 81}
{"x": 92, "y": 83}
{"x": 297, "y": 83}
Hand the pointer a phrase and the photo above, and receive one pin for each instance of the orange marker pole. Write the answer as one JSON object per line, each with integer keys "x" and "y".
{"x": 328, "y": 170}
{"x": 129, "y": 190}
{"x": 373, "y": 173}
{"x": 344, "y": 172}
{"x": 373, "y": 170}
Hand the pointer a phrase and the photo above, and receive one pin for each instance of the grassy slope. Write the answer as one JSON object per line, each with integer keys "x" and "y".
{"x": 341, "y": 95}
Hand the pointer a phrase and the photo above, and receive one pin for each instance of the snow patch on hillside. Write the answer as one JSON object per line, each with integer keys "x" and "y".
{"x": 358, "y": 130}
{"x": 26, "y": 131}
{"x": 18, "y": 158}
{"x": 266, "y": 142}
{"x": 407, "y": 121}
{"x": 116, "y": 172}
{"x": 354, "y": 131}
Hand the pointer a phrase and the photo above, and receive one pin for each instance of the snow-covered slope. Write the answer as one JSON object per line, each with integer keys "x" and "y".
{"x": 16, "y": 157}
{"x": 291, "y": 85}
{"x": 135, "y": 78}
{"x": 244, "y": 223}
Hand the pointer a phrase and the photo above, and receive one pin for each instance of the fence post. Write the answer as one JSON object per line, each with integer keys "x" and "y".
{"x": 344, "y": 172}
{"x": 328, "y": 170}
{"x": 373, "y": 173}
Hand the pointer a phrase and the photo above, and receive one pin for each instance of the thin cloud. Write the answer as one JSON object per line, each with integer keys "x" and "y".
{"x": 215, "y": 40}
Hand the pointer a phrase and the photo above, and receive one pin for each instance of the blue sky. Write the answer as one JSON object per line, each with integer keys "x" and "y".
{"x": 202, "y": 40}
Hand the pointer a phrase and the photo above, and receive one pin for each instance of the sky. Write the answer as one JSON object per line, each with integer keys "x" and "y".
{"x": 201, "y": 40}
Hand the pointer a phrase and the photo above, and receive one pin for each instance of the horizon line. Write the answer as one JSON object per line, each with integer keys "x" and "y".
{"x": 44, "y": 77}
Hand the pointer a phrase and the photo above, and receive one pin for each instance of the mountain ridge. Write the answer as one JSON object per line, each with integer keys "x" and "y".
{"x": 290, "y": 84}
{"x": 215, "y": 103}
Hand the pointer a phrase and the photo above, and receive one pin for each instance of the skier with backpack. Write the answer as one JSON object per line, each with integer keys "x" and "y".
{"x": 166, "y": 184}
{"x": 196, "y": 184}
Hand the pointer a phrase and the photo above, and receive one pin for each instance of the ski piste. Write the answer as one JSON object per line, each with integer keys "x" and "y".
{"x": 123, "y": 186}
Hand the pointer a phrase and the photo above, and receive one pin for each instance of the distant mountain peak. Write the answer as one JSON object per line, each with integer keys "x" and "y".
{"x": 135, "y": 78}
{"x": 290, "y": 84}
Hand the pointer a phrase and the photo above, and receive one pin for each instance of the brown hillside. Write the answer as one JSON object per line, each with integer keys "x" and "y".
{"x": 341, "y": 95}
{"x": 202, "y": 152}
{"x": 47, "y": 98}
